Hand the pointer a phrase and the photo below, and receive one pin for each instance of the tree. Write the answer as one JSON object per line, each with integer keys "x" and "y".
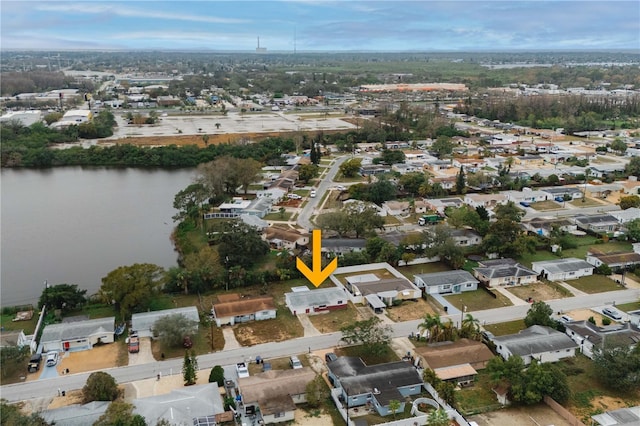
{"x": 432, "y": 324}
{"x": 351, "y": 167}
{"x": 617, "y": 365}
{"x": 370, "y": 333}
{"x": 100, "y": 386}
{"x": 438, "y": 417}
{"x": 633, "y": 229}
{"x": 62, "y": 296}
{"x": 411, "y": 182}
{"x": 633, "y": 167}
{"x": 188, "y": 202}
{"x": 172, "y": 329}
{"x": 440, "y": 242}
{"x": 189, "y": 368}
{"x": 11, "y": 415}
{"x": 131, "y": 288}
{"x": 629, "y": 201}
{"x": 217, "y": 375}
{"x": 247, "y": 171}
{"x": 619, "y": 146}
{"x": 508, "y": 211}
{"x": 447, "y": 391}
{"x": 120, "y": 413}
{"x": 391, "y": 156}
{"x": 381, "y": 191}
{"x": 205, "y": 139}
{"x": 470, "y": 327}
{"x": 540, "y": 314}
{"x": 460, "y": 182}
{"x": 12, "y": 358}
{"x": 394, "y": 406}
{"x": 505, "y": 372}
{"x": 306, "y": 172}
{"x": 317, "y": 392}
{"x": 201, "y": 269}
{"x": 442, "y": 146}
{"x": 506, "y": 238}
{"x": 241, "y": 245}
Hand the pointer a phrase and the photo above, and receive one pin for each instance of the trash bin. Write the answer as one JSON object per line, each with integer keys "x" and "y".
{"x": 63, "y": 393}
{"x": 446, "y": 309}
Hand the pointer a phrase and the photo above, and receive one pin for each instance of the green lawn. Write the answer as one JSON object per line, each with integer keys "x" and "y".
{"x": 28, "y": 326}
{"x": 504, "y": 328}
{"x": 423, "y": 268}
{"x": 546, "y": 205}
{"x": 595, "y": 284}
{"x": 362, "y": 351}
{"x": 391, "y": 220}
{"x": 586, "y": 202}
{"x": 479, "y": 397}
{"x": 477, "y": 300}
{"x": 583, "y": 243}
{"x": 278, "y": 216}
{"x": 334, "y": 320}
{"x": 628, "y": 307}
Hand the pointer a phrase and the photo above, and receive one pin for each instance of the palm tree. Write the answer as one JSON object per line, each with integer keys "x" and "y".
{"x": 448, "y": 331}
{"x": 433, "y": 325}
{"x": 470, "y": 327}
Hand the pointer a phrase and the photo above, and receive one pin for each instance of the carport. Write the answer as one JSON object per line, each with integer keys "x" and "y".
{"x": 375, "y": 303}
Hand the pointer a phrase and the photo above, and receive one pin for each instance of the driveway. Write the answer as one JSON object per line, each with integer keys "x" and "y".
{"x": 309, "y": 328}
{"x": 145, "y": 355}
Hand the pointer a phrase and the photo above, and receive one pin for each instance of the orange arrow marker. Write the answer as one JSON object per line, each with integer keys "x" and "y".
{"x": 317, "y": 275}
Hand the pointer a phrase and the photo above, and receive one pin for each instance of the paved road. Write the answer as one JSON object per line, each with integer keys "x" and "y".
{"x": 327, "y": 181}
{"x": 48, "y": 387}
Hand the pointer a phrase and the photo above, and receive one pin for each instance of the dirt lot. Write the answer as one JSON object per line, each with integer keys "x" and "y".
{"x": 410, "y": 310}
{"x": 537, "y": 415}
{"x": 98, "y": 358}
{"x": 183, "y": 140}
{"x": 584, "y": 314}
{"x": 541, "y": 291}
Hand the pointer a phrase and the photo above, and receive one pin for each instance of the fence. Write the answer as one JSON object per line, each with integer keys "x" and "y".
{"x": 559, "y": 409}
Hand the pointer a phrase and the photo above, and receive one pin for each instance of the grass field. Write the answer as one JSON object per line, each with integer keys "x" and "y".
{"x": 479, "y": 397}
{"x": 477, "y": 300}
{"x": 423, "y": 268}
{"x": 586, "y": 202}
{"x": 285, "y": 216}
{"x": 595, "y": 284}
{"x": 504, "y": 328}
{"x": 546, "y": 205}
{"x": 335, "y": 320}
{"x": 628, "y": 307}
{"x": 540, "y": 291}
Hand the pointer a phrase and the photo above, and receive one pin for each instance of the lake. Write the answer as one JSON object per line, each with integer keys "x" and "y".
{"x": 74, "y": 225}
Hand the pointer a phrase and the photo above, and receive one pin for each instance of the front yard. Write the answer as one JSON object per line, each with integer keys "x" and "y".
{"x": 540, "y": 291}
{"x": 504, "y": 328}
{"x": 595, "y": 284}
{"x": 546, "y": 205}
{"x": 478, "y": 300}
{"x": 284, "y": 327}
{"x": 410, "y": 310}
{"x": 332, "y": 321}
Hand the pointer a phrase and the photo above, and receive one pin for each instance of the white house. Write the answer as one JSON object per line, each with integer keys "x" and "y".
{"x": 536, "y": 342}
{"x": 143, "y": 322}
{"x": 589, "y": 336}
{"x": 501, "y": 272}
{"x": 77, "y": 335}
{"x": 562, "y": 269}
{"x": 397, "y": 208}
{"x": 232, "y": 309}
{"x": 304, "y": 301}
{"x": 488, "y": 201}
{"x": 527, "y": 195}
{"x": 613, "y": 260}
{"x": 446, "y": 282}
{"x": 77, "y": 115}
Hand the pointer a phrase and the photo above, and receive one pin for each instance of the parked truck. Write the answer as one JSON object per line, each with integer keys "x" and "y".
{"x": 134, "y": 343}
{"x": 429, "y": 219}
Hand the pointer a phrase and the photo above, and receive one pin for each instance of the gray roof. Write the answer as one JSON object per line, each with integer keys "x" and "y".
{"x": 253, "y": 220}
{"x": 561, "y": 190}
{"x": 299, "y": 300}
{"x": 621, "y": 417}
{"x": 557, "y": 266}
{"x": 497, "y": 270}
{"x": 534, "y": 340}
{"x": 145, "y": 320}
{"x": 348, "y": 243}
{"x": 627, "y": 333}
{"x": 357, "y": 378}
{"x": 447, "y": 277}
{"x": 181, "y": 405}
{"x": 78, "y": 329}
{"x": 76, "y": 414}
{"x": 506, "y": 261}
{"x": 388, "y": 284}
{"x": 596, "y": 219}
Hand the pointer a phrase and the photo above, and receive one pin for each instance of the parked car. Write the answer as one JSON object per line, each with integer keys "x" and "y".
{"x": 295, "y": 362}
{"x": 487, "y": 336}
{"x": 242, "y": 370}
{"x": 186, "y": 342}
{"x": 330, "y": 356}
{"x": 612, "y": 313}
{"x": 52, "y": 358}
{"x": 313, "y": 193}
{"x": 566, "y": 318}
{"x": 34, "y": 363}
{"x": 134, "y": 343}
{"x": 294, "y": 196}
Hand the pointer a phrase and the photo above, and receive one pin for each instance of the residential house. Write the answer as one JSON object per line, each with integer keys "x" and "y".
{"x": 544, "y": 226}
{"x": 631, "y": 186}
{"x": 625, "y": 216}
{"x": 275, "y": 393}
{"x": 143, "y": 322}
{"x": 529, "y": 161}
{"x": 385, "y": 290}
{"x": 589, "y": 336}
{"x": 404, "y": 168}
{"x": 562, "y": 269}
{"x": 501, "y": 272}
{"x": 397, "y": 208}
{"x": 449, "y": 282}
{"x": 466, "y": 237}
{"x": 289, "y": 239}
{"x": 232, "y": 309}
{"x": 488, "y": 201}
{"x": 440, "y": 204}
{"x": 527, "y": 195}
{"x": 374, "y": 169}
{"x": 77, "y": 335}
{"x": 615, "y": 261}
{"x": 457, "y": 361}
{"x": 536, "y": 342}
{"x": 340, "y": 246}
{"x": 374, "y": 385}
{"x": 601, "y": 191}
{"x": 421, "y": 206}
{"x": 302, "y": 300}
{"x": 597, "y": 223}
{"x": 76, "y": 414}
{"x": 439, "y": 165}
{"x": 561, "y": 191}
{"x": 254, "y": 221}
{"x": 503, "y": 139}
{"x": 447, "y": 182}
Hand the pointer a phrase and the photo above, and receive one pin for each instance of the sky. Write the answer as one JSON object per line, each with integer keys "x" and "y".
{"x": 309, "y": 25}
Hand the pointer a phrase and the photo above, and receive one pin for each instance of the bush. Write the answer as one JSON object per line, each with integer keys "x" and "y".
{"x": 100, "y": 386}
{"x": 217, "y": 375}
{"x": 603, "y": 270}
{"x": 606, "y": 321}
{"x": 592, "y": 320}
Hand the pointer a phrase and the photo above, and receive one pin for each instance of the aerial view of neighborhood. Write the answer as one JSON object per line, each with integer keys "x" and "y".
{"x": 319, "y": 229}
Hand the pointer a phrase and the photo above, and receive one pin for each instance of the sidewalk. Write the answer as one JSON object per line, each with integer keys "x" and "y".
{"x": 573, "y": 290}
{"x": 451, "y": 310}
{"x": 513, "y": 298}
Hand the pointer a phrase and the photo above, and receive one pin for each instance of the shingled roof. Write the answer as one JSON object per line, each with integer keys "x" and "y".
{"x": 534, "y": 340}
{"x": 272, "y": 389}
{"x": 243, "y": 307}
{"x": 448, "y": 354}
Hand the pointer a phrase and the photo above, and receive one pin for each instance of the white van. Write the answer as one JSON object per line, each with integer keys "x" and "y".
{"x": 313, "y": 193}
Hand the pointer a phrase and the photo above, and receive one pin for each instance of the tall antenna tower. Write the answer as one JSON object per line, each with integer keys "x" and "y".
{"x": 260, "y": 49}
